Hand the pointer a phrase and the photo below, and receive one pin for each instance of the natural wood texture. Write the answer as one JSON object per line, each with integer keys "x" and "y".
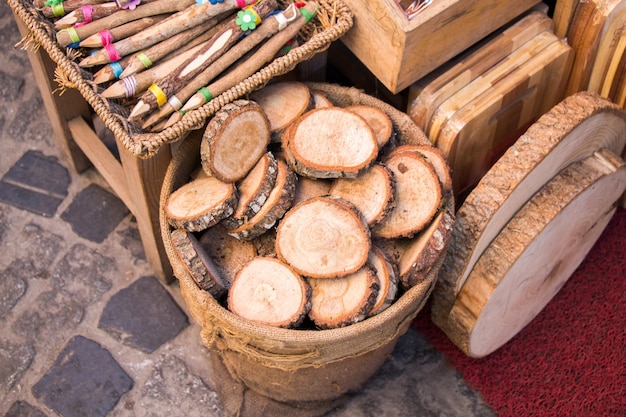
{"x": 121, "y": 17}
{"x": 120, "y": 32}
{"x": 283, "y": 102}
{"x": 329, "y": 142}
{"x": 416, "y": 255}
{"x": 228, "y": 253}
{"x": 429, "y": 92}
{"x": 571, "y": 131}
{"x": 563, "y": 13}
{"x": 399, "y": 51}
{"x": 595, "y": 27}
{"x": 372, "y": 192}
{"x": 323, "y": 237}
{"x": 199, "y": 264}
{"x": 78, "y": 16}
{"x": 485, "y": 82}
{"x": 339, "y": 302}
{"x": 269, "y": 292}
{"x": 616, "y": 72}
{"x": 436, "y": 159}
{"x": 200, "y": 204}
{"x": 278, "y": 202}
{"x": 378, "y": 121}
{"x": 320, "y": 99}
{"x": 534, "y": 254}
{"x": 234, "y": 140}
{"x": 476, "y": 135}
{"x": 224, "y": 39}
{"x": 253, "y": 190}
{"x": 387, "y": 280}
{"x": 311, "y": 187}
{"x": 188, "y": 97}
{"x": 418, "y": 195}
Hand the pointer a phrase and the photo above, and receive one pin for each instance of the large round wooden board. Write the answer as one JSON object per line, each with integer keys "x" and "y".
{"x": 535, "y": 254}
{"x": 571, "y": 131}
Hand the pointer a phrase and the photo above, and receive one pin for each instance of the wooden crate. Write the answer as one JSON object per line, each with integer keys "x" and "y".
{"x": 399, "y": 52}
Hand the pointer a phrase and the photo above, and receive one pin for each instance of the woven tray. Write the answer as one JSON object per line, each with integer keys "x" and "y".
{"x": 318, "y": 38}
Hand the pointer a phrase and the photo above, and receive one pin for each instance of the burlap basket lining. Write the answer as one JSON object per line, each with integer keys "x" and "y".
{"x": 319, "y": 34}
{"x": 283, "y": 348}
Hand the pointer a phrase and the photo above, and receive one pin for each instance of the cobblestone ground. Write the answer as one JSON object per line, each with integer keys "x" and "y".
{"x": 86, "y": 327}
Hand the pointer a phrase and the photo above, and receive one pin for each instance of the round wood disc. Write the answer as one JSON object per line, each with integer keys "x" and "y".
{"x": 571, "y": 131}
{"x": 535, "y": 254}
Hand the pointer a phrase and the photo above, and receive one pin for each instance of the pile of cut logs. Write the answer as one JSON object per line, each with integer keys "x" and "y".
{"x": 305, "y": 214}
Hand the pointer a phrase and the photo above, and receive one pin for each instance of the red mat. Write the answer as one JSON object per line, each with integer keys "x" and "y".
{"x": 571, "y": 359}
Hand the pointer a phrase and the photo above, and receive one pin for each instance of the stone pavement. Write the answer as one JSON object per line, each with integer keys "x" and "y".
{"x": 87, "y": 329}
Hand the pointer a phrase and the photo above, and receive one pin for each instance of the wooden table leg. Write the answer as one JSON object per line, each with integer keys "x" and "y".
{"x": 144, "y": 178}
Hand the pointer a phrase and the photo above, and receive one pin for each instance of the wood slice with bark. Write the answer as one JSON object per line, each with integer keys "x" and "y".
{"x": 267, "y": 291}
{"x": 198, "y": 263}
{"x": 378, "y": 120}
{"x": 572, "y": 130}
{"x": 323, "y": 237}
{"x": 329, "y": 142}
{"x": 228, "y": 253}
{"x": 372, "y": 192}
{"x": 387, "y": 280}
{"x": 283, "y": 102}
{"x": 417, "y": 255}
{"x": 200, "y": 204}
{"x": 534, "y": 255}
{"x": 418, "y": 196}
{"x": 278, "y": 202}
{"x": 320, "y": 99}
{"x": 339, "y": 302}
{"x": 234, "y": 140}
{"x": 253, "y": 191}
{"x": 437, "y": 160}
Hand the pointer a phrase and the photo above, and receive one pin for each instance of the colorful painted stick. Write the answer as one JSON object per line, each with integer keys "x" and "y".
{"x": 245, "y": 20}
{"x": 57, "y": 8}
{"x": 185, "y": 19}
{"x": 86, "y": 14}
{"x": 248, "y": 66}
{"x": 138, "y": 83}
{"x": 107, "y": 36}
{"x": 270, "y": 26}
{"x": 69, "y": 36}
{"x": 190, "y": 37}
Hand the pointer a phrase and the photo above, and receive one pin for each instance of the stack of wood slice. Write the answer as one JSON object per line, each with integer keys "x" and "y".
{"x": 529, "y": 223}
{"x": 475, "y": 106}
{"x": 320, "y": 215}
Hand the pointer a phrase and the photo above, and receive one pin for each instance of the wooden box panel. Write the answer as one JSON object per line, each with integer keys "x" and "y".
{"x": 399, "y": 52}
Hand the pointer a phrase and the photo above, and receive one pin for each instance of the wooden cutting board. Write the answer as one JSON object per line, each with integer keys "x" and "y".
{"x": 535, "y": 254}
{"x": 485, "y": 82}
{"x": 595, "y": 28}
{"x": 571, "y": 131}
{"x": 563, "y": 13}
{"x": 476, "y": 135}
{"x": 429, "y": 92}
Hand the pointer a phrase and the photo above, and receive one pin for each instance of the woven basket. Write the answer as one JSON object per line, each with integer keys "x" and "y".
{"x": 297, "y": 366}
{"x": 144, "y": 145}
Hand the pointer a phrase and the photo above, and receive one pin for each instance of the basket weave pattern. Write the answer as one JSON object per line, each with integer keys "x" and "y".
{"x": 114, "y": 116}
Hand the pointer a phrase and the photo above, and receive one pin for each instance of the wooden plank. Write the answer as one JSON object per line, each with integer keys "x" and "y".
{"x": 144, "y": 178}
{"x": 102, "y": 159}
{"x": 563, "y": 13}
